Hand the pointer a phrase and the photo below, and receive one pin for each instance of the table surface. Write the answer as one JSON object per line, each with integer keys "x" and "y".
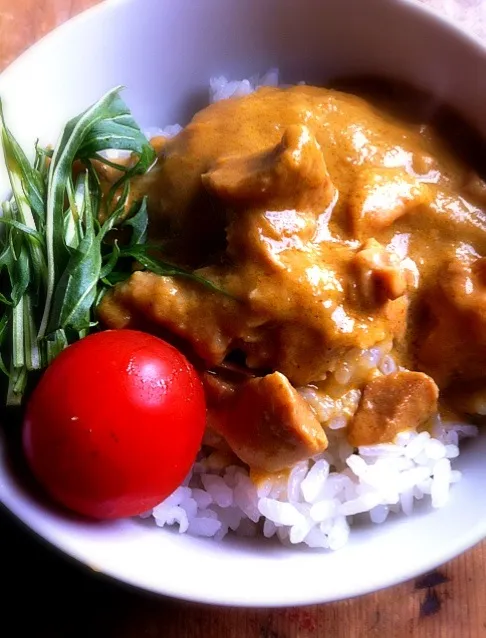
{"x": 62, "y": 600}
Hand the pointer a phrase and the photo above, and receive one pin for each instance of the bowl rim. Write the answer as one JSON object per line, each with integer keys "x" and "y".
{"x": 44, "y": 533}
{"x": 415, "y": 6}
{"x": 468, "y": 540}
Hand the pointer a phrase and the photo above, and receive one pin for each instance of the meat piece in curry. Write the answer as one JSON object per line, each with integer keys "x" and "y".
{"x": 455, "y": 343}
{"x": 268, "y": 424}
{"x": 333, "y": 225}
{"x": 391, "y": 404}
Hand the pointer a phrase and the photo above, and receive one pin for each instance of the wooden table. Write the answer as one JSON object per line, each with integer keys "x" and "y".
{"x": 60, "y": 600}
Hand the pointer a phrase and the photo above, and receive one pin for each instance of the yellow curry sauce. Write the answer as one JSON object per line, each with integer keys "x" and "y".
{"x": 333, "y": 225}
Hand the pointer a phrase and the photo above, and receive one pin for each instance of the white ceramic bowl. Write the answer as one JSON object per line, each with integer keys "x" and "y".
{"x": 164, "y": 51}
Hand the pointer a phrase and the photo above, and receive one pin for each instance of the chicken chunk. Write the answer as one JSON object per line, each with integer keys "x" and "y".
{"x": 287, "y": 310}
{"x": 291, "y": 305}
{"x": 268, "y": 425}
{"x": 391, "y": 404}
{"x": 380, "y": 274}
{"x": 292, "y": 174}
{"x": 208, "y": 321}
{"x": 453, "y": 343}
{"x": 380, "y": 197}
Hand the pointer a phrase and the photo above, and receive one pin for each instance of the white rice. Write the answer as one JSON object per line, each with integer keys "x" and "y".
{"x": 315, "y": 502}
{"x": 318, "y": 500}
{"x": 220, "y": 88}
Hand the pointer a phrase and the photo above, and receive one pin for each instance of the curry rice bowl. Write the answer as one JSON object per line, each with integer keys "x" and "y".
{"x": 317, "y": 501}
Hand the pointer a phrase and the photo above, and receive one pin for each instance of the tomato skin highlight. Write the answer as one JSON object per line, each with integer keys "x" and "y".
{"x": 114, "y": 424}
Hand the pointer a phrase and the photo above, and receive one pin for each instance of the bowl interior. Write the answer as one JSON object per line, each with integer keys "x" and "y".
{"x": 164, "y": 53}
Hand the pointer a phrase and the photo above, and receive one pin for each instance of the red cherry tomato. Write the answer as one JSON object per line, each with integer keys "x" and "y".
{"x": 115, "y": 424}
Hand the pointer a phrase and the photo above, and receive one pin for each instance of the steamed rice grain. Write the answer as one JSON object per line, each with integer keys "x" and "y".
{"x": 316, "y": 504}
{"x": 320, "y": 498}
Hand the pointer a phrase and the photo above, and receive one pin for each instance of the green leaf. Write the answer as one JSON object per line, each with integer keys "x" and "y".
{"x": 139, "y": 224}
{"x": 18, "y": 353}
{"x": 56, "y": 257}
{"x": 145, "y": 161}
{"x": 22, "y": 180}
{"x": 77, "y": 287}
{"x": 41, "y": 164}
{"x": 33, "y": 356}
{"x": 112, "y": 261}
{"x": 7, "y": 263}
{"x": 123, "y": 168}
{"x": 115, "y": 277}
{"x": 20, "y": 274}
{"x": 73, "y": 221}
{"x": 32, "y": 181}
{"x": 159, "y": 267}
{"x": 55, "y": 344}
{"x": 24, "y": 229}
{"x": 4, "y": 326}
{"x": 106, "y": 124}
{"x": 17, "y": 385}
{"x": 118, "y": 211}
{"x": 118, "y": 131}
{"x": 4, "y": 300}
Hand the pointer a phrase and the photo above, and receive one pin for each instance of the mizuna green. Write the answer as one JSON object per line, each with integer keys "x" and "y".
{"x": 55, "y": 260}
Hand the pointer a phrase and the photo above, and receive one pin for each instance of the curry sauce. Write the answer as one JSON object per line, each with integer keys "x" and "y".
{"x": 333, "y": 222}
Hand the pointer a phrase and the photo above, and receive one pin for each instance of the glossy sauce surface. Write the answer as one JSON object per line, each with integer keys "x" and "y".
{"x": 329, "y": 220}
